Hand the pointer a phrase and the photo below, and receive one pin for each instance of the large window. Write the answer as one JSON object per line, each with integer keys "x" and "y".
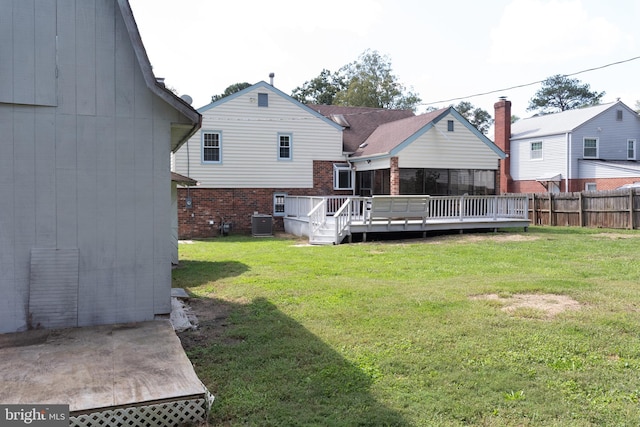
{"x": 211, "y": 147}
{"x": 590, "y": 148}
{"x": 443, "y": 182}
{"x": 536, "y": 150}
{"x": 342, "y": 177}
{"x": 284, "y": 146}
{"x": 631, "y": 149}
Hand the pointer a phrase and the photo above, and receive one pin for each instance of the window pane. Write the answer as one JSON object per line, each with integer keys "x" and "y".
{"x": 285, "y": 147}
{"x": 631, "y": 149}
{"x": 263, "y": 100}
{"x": 411, "y": 181}
{"x": 590, "y": 147}
{"x": 484, "y": 182}
{"x": 461, "y": 182}
{"x": 211, "y": 147}
{"x": 536, "y": 150}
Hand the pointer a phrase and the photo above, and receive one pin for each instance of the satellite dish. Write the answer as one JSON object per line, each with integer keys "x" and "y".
{"x": 186, "y": 98}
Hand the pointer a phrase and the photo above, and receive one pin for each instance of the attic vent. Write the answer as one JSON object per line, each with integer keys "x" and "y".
{"x": 340, "y": 119}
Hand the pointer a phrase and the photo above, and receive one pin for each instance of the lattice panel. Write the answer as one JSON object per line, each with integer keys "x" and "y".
{"x": 167, "y": 414}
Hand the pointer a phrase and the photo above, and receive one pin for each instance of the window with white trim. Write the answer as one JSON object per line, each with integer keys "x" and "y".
{"x": 631, "y": 149}
{"x": 342, "y": 177}
{"x": 590, "y": 148}
{"x": 284, "y": 146}
{"x": 211, "y": 147}
{"x": 536, "y": 150}
{"x": 279, "y": 204}
{"x": 590, "y": 186}
{"x": 449, "y": 125}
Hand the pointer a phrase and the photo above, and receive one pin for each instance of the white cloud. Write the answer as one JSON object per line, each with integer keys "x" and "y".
{"x": 543, "y": 31}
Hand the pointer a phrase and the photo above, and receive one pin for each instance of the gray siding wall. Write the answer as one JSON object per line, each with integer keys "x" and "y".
{"x": 86, "y": 169}
{"x": 612, "y": 135}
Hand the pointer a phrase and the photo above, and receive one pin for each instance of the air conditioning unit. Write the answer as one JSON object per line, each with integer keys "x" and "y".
{"x": 261, "y": 225}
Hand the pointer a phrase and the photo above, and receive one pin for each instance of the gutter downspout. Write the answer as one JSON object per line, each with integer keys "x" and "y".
{"x": 569, "y": 161}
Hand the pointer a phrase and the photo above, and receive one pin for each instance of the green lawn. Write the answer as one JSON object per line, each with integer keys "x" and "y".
{"x": 389, "y": 333}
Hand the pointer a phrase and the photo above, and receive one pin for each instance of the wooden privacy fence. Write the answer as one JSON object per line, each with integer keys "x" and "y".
{"x": 599, "y": 209}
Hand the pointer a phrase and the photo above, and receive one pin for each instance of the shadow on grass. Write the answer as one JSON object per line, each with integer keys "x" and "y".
{"x": 266, "y": 369}
{"x": 196, "y": 273}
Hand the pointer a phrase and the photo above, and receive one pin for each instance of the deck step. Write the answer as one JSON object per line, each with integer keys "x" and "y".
{"x": 323, "y": 236}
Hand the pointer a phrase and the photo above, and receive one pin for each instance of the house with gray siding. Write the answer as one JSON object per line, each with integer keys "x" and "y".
{"x": 259, "y": 145}
{"x": 87, "y": 133}
{"x": 592, "y": 148}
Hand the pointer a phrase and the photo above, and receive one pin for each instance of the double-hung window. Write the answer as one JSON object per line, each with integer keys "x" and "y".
{"x": 631, "y": 149}
{"x": 536, "y": 150}
{"x": 211, "y": 147}
{"x": 342, "y": 177}
{"x": 590, "y": 148}
{"x": 285, "y": 142}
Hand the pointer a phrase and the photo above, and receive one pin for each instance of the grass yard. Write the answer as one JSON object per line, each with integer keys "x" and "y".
{"x": 508, "y": 329}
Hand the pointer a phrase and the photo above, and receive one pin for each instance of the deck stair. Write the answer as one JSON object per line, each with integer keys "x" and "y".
{"x": 325, "y": 235}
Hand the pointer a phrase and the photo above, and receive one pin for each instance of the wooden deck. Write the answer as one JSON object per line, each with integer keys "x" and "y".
{"x": 332, "y": 220}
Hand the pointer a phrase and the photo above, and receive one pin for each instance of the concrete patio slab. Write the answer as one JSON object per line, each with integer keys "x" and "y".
{"x": 96, "y": 367}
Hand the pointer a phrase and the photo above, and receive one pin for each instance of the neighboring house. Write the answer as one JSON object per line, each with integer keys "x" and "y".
{"x": 437, "y": 153}
{"x": 87, "y": 133}
{"x": 593, "y": 148}
{"x": 255, "y": 146}
{"x": 260, "y": 144}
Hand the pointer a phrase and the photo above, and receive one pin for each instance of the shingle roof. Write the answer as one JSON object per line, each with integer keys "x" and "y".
{"x": 387, "y": 136}
{"x": 362, "y": 121}
{"x": 558, "y": 123}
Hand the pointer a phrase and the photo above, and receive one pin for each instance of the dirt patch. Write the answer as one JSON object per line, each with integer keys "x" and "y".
{"x": 528, "y": 305}
{"x": 482, "y": 237}
{"x": 212, "y": 318}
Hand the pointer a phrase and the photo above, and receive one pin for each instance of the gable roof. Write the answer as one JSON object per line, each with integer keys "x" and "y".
{"x": 179, "y": 134}
{"x": 267, "y": 86}
{"x": 390, "y": 138}
{"x": 558, "y": 123}
{"x": 361, "y": 121}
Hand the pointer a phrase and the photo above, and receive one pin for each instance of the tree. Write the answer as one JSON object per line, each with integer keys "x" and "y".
{"x": 638, "y": 107}
{"x": 236, "y": 87}
{"x": 371, "y": 83}
{"x": 320, "y": 90}
{"x": 478, "y": 117}
{"x": 561, "y": 93}
{"x": 366, "y": 82}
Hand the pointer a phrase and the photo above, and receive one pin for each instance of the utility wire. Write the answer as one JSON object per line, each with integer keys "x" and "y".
{"x": 532, "y": 83}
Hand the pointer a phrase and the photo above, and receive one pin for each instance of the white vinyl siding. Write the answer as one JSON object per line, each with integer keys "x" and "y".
{"x": 590, "y": 148}
{"x": 439, "y": 148}
{"x": 553, "y": 163}
{"x": 250, "y": 144}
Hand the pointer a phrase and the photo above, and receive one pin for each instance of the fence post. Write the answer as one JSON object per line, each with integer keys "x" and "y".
{"x": 550, "y": 208}
{"x": 581, "y": 209}
{"x": 631, "y": 208}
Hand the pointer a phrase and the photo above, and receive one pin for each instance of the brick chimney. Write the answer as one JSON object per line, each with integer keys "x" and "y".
{"x": 502, "y": 136}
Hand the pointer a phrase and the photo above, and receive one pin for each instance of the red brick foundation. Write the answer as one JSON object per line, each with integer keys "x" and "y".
{"x": 238, "y": 205}
{"x": 575, "y": 185}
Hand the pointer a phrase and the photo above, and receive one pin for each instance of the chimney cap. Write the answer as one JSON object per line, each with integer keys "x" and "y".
{"x": 503, "y": 98}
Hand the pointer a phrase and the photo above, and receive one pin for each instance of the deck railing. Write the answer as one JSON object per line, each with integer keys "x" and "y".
{"x": 346, "y": 209}
{"x": 300, "y": 206}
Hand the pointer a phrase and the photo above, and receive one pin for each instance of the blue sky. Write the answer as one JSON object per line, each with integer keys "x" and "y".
{"x": 439, "y": 50}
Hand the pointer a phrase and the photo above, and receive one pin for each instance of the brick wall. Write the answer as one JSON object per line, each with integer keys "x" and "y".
{"x": 575, "y": 185}
{"x": 237, "y": 205}
{"x": 394, "y": 177}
